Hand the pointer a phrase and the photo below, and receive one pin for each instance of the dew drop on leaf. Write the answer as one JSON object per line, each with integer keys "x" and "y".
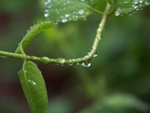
{"x": 130, "y": 6}
{"x": 64, "y": 20}
{"x": 62, "y": 11}
{"x": 25, "y": 71}
{"x": 47, "y": 2}
{"x": 140, "y": 1}
{"x": 117, "y": 13}
{"x": 81, "y": 11}
{"x": 46, "y": 14}
{"x": 147, "y": 3}
{"x": 135, "y": 1}
{"x": 67, "y": 15}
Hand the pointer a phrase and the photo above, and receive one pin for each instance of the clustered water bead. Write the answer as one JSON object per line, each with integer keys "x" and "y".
{"x": 95, "y": 53}
{"x": 85, "y": 64}
{"x": 71, "y": 10}
{"x": 32, "y": 82}
{"x": 46, "y": 12}
{"x": 131, "y": 6}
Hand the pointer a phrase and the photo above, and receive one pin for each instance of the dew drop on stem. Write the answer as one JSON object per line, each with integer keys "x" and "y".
{"x": 61, "y": 60}
{"x": 86, "y": 64}
{"x": 95, "y": 54}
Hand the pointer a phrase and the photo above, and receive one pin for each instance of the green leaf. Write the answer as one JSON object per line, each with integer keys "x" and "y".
{"x": 32, "y": 32}
{"x": 34, "y": 87}
{"x": 68, "y": 10}
{"x": 129, "y": 6}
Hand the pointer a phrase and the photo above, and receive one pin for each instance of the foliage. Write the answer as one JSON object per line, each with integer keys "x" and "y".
{"x": 68, "y": 10}
{"x": 34, "y": 87}
{"x": 64, "y": 11}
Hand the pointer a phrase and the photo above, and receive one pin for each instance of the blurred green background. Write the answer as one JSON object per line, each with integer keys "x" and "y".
{"x": 118, "y": 80}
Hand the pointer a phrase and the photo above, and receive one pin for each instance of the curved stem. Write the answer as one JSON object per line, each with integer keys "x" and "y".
{"x": 24, "y": 44}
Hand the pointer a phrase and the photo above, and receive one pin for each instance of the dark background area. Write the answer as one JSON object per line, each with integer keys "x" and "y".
{"x": 118, "y": 80}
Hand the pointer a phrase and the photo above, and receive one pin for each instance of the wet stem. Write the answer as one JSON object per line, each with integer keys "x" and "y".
{"x": 62, "y": 61}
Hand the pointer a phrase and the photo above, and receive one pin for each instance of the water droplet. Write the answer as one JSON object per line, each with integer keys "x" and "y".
{"x": 83, "y": 64}
{"x": 130, "y": 14}
{"x": 86, "y": 64}
{"x": 64, "y": 20}
{"x": 126, "y": 2}
{"x": 95, "y": 54}
{"x": 67, "y": 15}
{"x": 33, "y": 82}
{"x": 45, "y": 59}
{"x": 25, "y": 71}
{"x": 118, "y": 12}
{"x": 46, "y": 14}
{"x": 135, "y": 7}
{"x": 135, "y": 1}
{"x": 61, "y": 60}
{"x": 140, "y": 1}
{"x": 29, "y": 81}
{"x": 147, "y": 3}
{"x": 81, "y": 11}
{"x": 47, "y": 2}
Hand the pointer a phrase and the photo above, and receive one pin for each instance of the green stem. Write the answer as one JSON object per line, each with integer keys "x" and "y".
{"x": 23, "y": 56}
{"x": 25, "y": 42}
